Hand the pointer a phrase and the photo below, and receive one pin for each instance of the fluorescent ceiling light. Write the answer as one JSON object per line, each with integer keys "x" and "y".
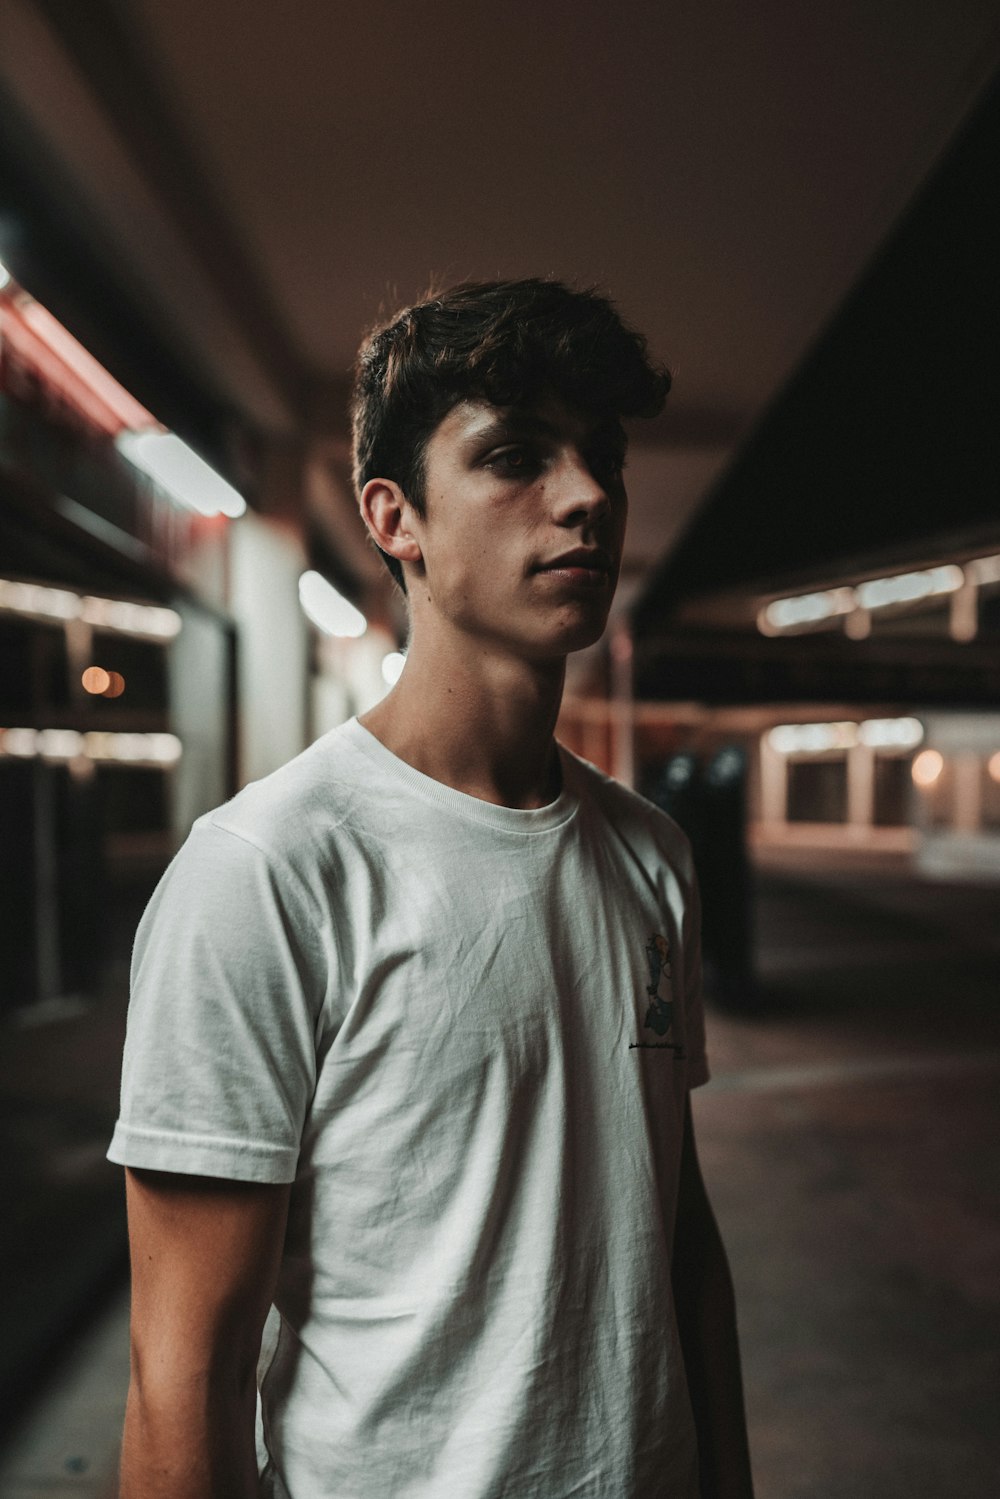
{"x": 328, "y": 609}
{"x": 392, "y": 667}
{"x": 175, "y": 467}
{"x": 5, "y": 276}
{"x": 59, "y": 744}
{"x": 130, "y": 619}
{"x": 816, "y": 738}
{"x": 808, "y": 608}
{"x": 907, "y": 588}
{"x": 133, "y": 749}
{"x": 20, "y": 742}
{"x": 123, "y": 409}
{"x": 69, "y": 744}
{"x": 36, "y": 601}
{"x": 812, "y": 738}
{"x": 876, "y": 593}
{"x": 891, "y": 733}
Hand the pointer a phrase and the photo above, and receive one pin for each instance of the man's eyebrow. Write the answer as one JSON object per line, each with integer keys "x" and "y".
{"x": 516, "y": 423}
{"x": 513, "y": 423}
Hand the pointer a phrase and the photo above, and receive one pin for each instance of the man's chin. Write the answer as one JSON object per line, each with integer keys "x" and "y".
{"x": 552, "y": 640}
{"x": 578, "y": 636}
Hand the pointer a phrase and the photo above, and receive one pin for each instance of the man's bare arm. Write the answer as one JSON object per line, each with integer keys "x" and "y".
{"x": 706, "y": 1318}
{"x": 205, "y": 1256}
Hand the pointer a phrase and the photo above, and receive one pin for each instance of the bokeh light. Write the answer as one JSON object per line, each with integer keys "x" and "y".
{"x": 927, "y": 767}
{"x": 96, "y": 680}
{"x": 101, "y": 683}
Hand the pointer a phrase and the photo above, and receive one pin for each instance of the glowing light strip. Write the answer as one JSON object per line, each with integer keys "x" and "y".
{"x": 37, "y": 601}
{"x": 178, "y": 469}
{"x": 42, "y": 342}
{"x": 392, "y": 667}
{"x": 124, "y": 408}
{"x": 817, "y": 738}
{"x": 876, "y": 593}
{"x": 55, "y": 374}
{"x": 48, "y": 348}
{"x": 807, "y": 609}
{"x": 328, "y": 609}
{"x": 908, "y": 588}
{"x": 891, "y": 733}
{"x": 130, "y": 619}
{"x": 812, "y": 738}
{"x": 61, "y": 745}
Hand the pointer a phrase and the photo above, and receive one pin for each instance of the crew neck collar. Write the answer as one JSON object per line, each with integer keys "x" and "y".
{"x": 460, "y": 803}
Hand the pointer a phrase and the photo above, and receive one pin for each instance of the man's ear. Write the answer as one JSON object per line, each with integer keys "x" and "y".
{"x": 388, "y": 515}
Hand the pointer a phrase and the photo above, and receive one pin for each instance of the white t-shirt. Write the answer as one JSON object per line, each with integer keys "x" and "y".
{"x": 466, "y": 1033}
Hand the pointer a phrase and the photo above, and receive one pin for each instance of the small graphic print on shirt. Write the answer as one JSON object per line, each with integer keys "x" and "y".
{"x": 661, "y": 1011}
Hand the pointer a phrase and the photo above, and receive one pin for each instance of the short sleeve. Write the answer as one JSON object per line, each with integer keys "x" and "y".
{"x": 220, "y": 1052}
{"x": 694, "y": 1009}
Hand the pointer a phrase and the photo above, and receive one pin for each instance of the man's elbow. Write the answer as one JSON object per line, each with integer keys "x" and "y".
{"x": 168, "y": 1372}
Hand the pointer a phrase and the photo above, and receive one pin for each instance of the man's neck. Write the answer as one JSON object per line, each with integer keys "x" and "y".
{"x": 480, "y": 722}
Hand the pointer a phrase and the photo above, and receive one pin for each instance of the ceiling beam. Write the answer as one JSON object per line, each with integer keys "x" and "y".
{"x": 884, "y": 442}
{"x": 108, "y": 50}
{"x": 738, "y": 667}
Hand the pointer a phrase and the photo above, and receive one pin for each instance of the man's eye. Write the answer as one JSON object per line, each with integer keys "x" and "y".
{"x": 607, "y": 466}
{"x": 513, "y": 461}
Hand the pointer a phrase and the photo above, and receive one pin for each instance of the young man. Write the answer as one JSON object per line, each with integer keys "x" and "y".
{"x": 414, "y": 1019}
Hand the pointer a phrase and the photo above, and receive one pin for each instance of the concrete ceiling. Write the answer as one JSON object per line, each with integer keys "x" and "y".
{"x": 267, "y": 178}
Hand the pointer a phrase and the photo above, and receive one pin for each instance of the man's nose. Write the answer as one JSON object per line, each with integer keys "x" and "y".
{"x": 579, "y": 494}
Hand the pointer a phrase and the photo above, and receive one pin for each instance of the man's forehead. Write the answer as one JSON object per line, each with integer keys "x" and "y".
{"x": 549, "y": 416}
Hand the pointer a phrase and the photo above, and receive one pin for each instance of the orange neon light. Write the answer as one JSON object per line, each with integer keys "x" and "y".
{"x": 40, "y": 342}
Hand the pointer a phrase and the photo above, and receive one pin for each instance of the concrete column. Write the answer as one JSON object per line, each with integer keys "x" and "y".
{"x": 773, "y": 784}
{"x": 966, "y": 792}
{"x": 79, "y": 655}
{"x": 963, "y": 621}
{"x": 268, "y": 558}
{"x": 860, "y": 786}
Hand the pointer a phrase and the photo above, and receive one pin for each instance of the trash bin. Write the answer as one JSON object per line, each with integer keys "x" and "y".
{"x": 709, "y": 803}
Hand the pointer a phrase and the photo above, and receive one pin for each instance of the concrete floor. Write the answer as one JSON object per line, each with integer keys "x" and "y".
{"x": 67, "y": 1445}
{"x": 850, "y": 1141}
{"x": 849, "y": 1138}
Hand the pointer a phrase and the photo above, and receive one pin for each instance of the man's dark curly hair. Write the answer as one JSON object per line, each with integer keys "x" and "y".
{"x": 506, "y": 342}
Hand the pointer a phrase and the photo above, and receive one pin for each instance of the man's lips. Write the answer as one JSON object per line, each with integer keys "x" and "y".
{"x": 580, "y": 559}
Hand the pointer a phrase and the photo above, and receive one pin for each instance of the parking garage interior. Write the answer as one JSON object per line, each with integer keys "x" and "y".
{"x": 803, "y": 668}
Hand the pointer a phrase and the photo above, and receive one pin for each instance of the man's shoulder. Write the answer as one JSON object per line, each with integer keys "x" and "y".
{"x": 631, "y": 815}
{"x": 306, "y": 799}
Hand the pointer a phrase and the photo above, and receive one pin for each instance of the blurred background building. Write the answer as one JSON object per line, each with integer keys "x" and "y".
{"x": 203, "y": 207}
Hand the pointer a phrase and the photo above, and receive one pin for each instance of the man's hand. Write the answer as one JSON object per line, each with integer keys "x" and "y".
{"x": 205, "y": 1257}
{"x": 706, "y": 1319}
